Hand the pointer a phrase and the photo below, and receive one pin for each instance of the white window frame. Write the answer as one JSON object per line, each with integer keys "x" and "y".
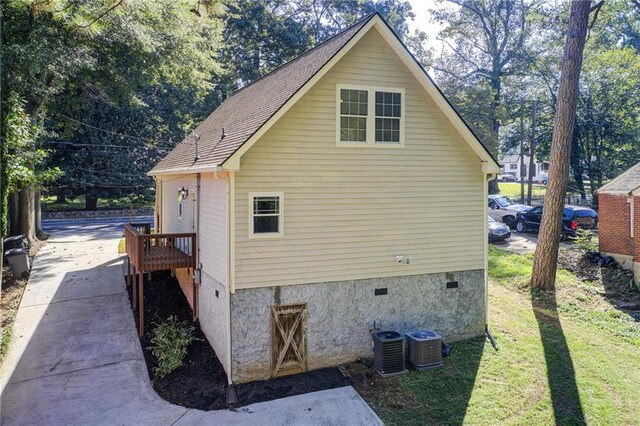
{"x": 262, "y": 235}
{"x": 371, "y": 116}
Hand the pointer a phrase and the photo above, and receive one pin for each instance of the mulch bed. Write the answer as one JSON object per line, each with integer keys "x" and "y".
{"x": 617, "y": 282}
{"x": 201, "y": 381}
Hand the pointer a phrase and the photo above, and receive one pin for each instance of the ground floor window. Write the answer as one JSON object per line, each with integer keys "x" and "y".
{"x": 265, "y": 214}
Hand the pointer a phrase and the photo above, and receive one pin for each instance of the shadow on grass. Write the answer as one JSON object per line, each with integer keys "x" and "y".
{"x": 424, "y": 397}
{"x": 561, "y": 375}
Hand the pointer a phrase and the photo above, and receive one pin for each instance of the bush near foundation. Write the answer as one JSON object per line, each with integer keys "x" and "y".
{"x": 169, "y": 344}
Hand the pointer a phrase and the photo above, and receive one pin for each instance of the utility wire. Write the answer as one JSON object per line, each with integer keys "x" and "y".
{"x": 79, "y": 144}
{"x": 112, "y": 132}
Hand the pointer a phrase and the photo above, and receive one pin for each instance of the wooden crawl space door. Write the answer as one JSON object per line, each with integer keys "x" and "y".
{"x": 288, "y": 339}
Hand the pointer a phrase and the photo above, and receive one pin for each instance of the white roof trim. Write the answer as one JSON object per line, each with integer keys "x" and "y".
{"x": 186, "y": 170}
{"x": 489, "y": 164}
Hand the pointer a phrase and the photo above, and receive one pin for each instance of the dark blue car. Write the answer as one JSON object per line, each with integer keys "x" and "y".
{"x": 573, "y": 217}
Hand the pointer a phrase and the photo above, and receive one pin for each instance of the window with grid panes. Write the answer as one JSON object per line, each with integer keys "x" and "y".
{"x": 354, "y": 106}
{"x": 266, "y": 214}
{"x": 388, "y": 113}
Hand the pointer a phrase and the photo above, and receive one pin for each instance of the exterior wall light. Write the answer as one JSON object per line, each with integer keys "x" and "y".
{"x": 182, "y": 194}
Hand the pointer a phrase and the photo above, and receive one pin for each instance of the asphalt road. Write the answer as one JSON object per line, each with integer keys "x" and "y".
{"x": 61, "y": 228}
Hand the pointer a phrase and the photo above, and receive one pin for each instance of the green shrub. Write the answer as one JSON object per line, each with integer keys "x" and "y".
{"x": 169, "y": 344}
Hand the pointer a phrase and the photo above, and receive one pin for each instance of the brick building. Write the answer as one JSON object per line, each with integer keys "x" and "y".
{"x": 619, "y": 212}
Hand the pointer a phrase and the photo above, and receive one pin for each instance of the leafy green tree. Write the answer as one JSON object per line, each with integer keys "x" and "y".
{"x": 485, "y": 45}
{"x": 76, "y": 54}
{"x": 19, "y": 157}
{"x": 261, "y": 35}
{"x": 608, "y": 122}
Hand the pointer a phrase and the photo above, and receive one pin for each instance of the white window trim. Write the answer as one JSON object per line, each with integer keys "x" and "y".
{"x": 263, "y": 235}
{"x": 371, "y": 116}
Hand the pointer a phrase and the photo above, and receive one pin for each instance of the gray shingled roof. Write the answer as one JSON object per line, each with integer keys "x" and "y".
{"x": 243, "y": 113}
{"x": 626, "y": 182}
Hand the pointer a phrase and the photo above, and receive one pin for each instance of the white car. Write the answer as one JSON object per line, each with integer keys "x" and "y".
{"x": 503, "y": 209}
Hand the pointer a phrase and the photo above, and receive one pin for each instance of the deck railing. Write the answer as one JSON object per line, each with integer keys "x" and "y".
{"x": 148, "y": 252}
{"x": 153, "y": 252}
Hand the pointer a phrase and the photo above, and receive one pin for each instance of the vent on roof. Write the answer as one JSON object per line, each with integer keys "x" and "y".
{"x": 425, "y": 349}
{"x": 388, "y": 353}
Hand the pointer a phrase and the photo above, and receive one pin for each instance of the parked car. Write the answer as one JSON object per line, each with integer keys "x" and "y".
{"x": 503, "y": 209}
{"x": 498, "y": 231}
{"x": 506, "y": 177}
{"x": 573, "y": 218}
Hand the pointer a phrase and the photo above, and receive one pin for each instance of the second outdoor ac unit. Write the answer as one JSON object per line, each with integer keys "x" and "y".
{"x": 425, "y": 349}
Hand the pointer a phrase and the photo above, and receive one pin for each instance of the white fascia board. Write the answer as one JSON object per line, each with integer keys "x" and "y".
{"x": 186, "y": 171}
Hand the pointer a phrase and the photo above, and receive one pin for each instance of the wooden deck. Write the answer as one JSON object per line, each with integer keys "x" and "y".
{"x": 147, "y": 252}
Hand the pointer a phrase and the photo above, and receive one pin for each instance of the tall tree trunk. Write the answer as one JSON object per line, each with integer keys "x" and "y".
{"x": 37, "y": 210}
{"x": 27, "y": 216}
{"x": 90, "y": 202}
{"x": 546, "y": 255}
{"x": 14, "y": 214}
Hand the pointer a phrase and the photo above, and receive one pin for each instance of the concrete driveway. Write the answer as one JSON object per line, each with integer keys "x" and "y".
{"x": 523, "y": 243}
{"x": 76, "y": 358}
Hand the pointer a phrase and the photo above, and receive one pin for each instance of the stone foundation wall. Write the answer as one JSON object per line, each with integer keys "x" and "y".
{"x": 341, "y": 316}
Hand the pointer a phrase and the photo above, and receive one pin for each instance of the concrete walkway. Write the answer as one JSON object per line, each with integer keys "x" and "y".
{"x": 76, "y": 359}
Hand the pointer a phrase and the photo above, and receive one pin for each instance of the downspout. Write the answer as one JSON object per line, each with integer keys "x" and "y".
{"x": 231, "y": 192}
{"x": 489, "y": 177}
{"x": 197, "y": 274}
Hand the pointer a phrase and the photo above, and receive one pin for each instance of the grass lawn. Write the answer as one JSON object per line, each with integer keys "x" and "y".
{"x": 512, "y": 190}
{"x": 565, "y": 359}
{"x": 49, "y": 204}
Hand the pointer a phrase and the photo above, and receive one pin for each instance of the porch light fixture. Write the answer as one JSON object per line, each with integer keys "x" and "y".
{"x": 182, "y": 194}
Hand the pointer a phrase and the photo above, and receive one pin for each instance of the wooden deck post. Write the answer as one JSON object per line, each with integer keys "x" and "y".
{"x": 134, "y": 289}
{"x": 128, "y": 271}
{"x": 141, "y": 305}
{"x": 148, "y": 252}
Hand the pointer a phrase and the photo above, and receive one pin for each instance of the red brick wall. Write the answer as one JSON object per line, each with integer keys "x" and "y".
{"x": 614, "y": 224}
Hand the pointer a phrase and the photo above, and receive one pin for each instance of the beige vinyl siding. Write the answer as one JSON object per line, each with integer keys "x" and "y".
{"x": 348, "y": 211}
{"x": 213, "y": 227}
{"x": 213, "y": 217}
{"x": 170, "y": 221}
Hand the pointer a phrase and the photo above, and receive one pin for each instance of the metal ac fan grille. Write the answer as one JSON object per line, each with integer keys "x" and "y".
{"x": 392, "y": 357}
{"x": 389, "y": 354}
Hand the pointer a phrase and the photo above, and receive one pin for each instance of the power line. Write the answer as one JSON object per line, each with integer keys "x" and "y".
{"x": 112, "y": 132}
{"x": 79, "y": 144}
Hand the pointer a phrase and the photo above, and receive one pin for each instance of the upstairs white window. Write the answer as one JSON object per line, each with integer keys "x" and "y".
{"x": 266, "y": 218}
{"x": 353, "y": 115}
{"x": 388, "y": 116}
{"x": 370, "y": 116}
